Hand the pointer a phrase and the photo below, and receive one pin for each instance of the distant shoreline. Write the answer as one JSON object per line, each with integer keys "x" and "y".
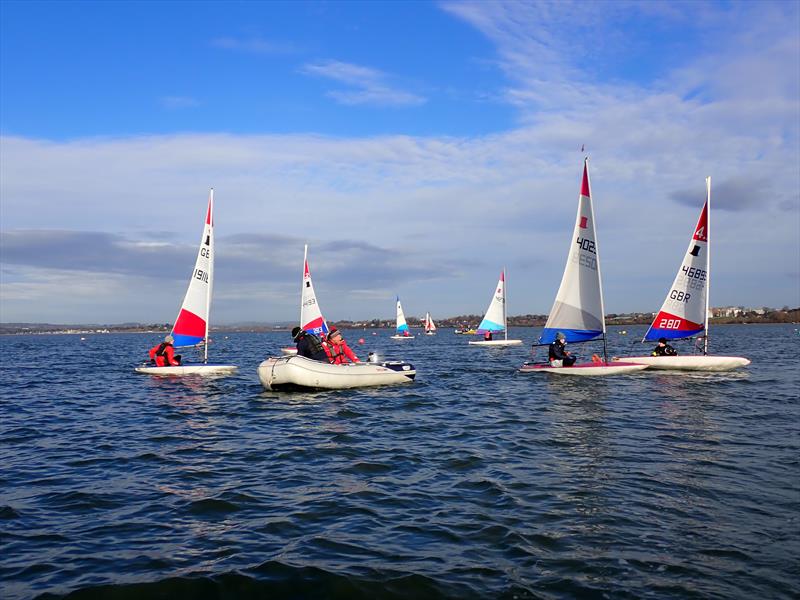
{"x": 463, "y": 322}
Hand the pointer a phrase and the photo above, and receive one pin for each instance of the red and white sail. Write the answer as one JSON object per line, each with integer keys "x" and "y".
{"x": 685, "y": 309}
{"x": 311, "y": 318}
{"x": 191, "y": 326}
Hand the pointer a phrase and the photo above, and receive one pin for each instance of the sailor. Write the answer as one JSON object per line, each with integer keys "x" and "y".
{"x": 487, "y": 336}
{"x": 338, "y": 351}
{"x": 163, "y": 354}
{"x": 557, "y": 355}
{"x": 308, "y": 345}
{"x": 664, "y": 349}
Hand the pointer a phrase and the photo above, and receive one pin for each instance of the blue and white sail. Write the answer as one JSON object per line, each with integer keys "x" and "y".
{"x": 578, "y": 309}
{"x": 402, "y": 326}
{"x": 495, "y": 319}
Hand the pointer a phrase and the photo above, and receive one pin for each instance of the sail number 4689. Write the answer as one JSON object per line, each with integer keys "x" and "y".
{"x": 694, "y": 273}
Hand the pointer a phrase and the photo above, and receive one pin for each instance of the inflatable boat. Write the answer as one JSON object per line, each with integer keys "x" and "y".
{"x": 288, "y": 373}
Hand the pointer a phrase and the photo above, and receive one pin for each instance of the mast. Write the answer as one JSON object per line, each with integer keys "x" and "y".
{"x": 303, "y": 281}
{"x": 505, "y": 314}
{"x": 597, "y": 253}
{"x": 708, "y": 260}
{"x": 211, "y": 268}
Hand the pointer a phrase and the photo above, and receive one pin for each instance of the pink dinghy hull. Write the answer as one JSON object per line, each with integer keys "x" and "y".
{"x": 590, "y": 369}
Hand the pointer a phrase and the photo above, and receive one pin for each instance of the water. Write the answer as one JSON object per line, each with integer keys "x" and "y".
{"x": 472, "y": 482}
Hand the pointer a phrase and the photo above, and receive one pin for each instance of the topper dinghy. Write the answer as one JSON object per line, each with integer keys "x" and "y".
{"x": 299, "y": 372}
{"x": 191, "y": 326}
{"x": 495, "y": 319}
{"x": 402, "y": 332}
{"x": 311, "y": 319}
{"x": 684, "y": 312}
{"x": 578, "y": 309}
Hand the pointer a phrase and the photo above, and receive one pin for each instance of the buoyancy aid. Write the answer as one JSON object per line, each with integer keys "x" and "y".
{"x": 162, "y": 354}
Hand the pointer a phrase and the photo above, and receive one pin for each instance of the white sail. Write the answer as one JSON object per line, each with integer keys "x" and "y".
{"x": 402, "y": 326}
{"x": 495, "y": 319}
{"x": 430, "y": 326}
{"x": 684, "y": 312}
{"x": 191, "y": 325}
{"x": 311, "y": 318}
{"x": 578, "y": 308}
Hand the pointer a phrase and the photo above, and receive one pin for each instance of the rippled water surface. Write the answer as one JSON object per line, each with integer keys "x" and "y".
{"x": 472, "y": 482}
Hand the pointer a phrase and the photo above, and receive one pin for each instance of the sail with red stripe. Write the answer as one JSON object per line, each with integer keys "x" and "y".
{"x": 191, "y": 326}
{"x": 578, "y": 309}
{"x": 311, "y": 319}
{"x": 685, "y": 309}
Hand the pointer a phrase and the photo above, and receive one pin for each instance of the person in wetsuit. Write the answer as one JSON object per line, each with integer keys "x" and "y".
{"x": 308, "y": 345}
{"x": 557, "y": 353}
{"x": 664, "y": 349}
{"x": 163, "y": 354}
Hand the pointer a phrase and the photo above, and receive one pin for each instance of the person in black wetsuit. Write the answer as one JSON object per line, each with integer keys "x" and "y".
{"x": 664, "y": 349}
{"x": 557, "y": 354}
{"x": 308, "y": 345}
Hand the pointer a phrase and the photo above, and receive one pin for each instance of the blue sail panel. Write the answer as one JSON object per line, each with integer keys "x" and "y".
{"x": 402, "y": 328}
{"x": 489, "y": 326}
{"x": 670, "y": 334}
{"x": 185, "y": 340}
{"x": 573, "y": 335}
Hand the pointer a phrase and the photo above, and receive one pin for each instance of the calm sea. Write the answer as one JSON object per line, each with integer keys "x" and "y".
{"x": 472, "y": 482}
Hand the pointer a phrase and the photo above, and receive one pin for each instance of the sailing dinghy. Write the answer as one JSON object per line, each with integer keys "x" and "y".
{"x": 430, "y": 326}
{"x": 578, "y": 309}
{"x": 191, "y": 326}
{"x": 684, "y": 312}
{"x": 402, "y": 332}
{"x": 495, "y": 319}
{"x": 311, "y": 319}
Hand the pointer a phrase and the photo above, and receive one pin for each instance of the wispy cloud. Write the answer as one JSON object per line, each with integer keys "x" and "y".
{"x": 371, "y": 86}
{"x": 178, "y": 102}
{"x": 254, "y": 45}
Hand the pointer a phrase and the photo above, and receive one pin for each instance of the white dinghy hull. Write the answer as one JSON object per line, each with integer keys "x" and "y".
{"x": 585, "y": 369}
{"x": 289, "y": 351}
{"x": 495, "y": 343}
{"x": 691, "y": 363}
{"x": 402, "y": 337}
{"x": 299, "y": 372}
{"x": 181, "y": 370}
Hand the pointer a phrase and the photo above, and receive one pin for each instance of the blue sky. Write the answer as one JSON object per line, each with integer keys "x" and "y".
{"x": 416, "y": 147}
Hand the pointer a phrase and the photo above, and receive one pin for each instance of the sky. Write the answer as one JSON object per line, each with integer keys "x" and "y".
{"x": 416, "y": 147}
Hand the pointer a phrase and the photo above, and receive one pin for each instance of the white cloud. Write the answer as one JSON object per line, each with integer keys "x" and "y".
{"x": 371, "y": 85}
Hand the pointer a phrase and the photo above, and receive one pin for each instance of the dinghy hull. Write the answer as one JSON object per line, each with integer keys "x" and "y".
{"x": 402, "y": 337}
{"x": 495, "y": 343}
{"x": 182, "y": 370}
{"x": 586, "y": 369}
{"x": 289, "y": 373}
{"x": 289, "y": 351}
{"x": 691, "y": 363}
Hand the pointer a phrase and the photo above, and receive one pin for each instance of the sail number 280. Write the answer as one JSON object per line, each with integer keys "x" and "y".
{"x": 670, "y": 324}
{"x": 694, "y": 273}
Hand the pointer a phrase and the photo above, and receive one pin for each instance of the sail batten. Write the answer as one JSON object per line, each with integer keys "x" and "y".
{"x": 578, "y": 308}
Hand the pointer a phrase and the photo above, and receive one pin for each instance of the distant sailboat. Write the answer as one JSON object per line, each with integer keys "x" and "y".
{"x": 684, "y": 312}
{"x": 402, "y": 332}
{"x": 430, "y": 326}
{"x": 578, "y": 309}
{"x": 311, "y": 319}
{"x": 495, "y": 319}
{"x": 192, "y": 324}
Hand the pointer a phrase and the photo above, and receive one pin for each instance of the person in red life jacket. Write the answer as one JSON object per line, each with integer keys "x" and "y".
{"x": 164, "y": 354}
{"x": 487, "y": 336}
{"x": 338, "y": 350}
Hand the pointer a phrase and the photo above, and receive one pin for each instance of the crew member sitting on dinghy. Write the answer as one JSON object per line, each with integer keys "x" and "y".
{"x": 163, "y": 354}
{"x": 664, "y": 349}
{"x": 338, "y": 351}
{"x": 487, "y": 337}
{"x": 308, "y": 345}
{"x": 557, "y": 355}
